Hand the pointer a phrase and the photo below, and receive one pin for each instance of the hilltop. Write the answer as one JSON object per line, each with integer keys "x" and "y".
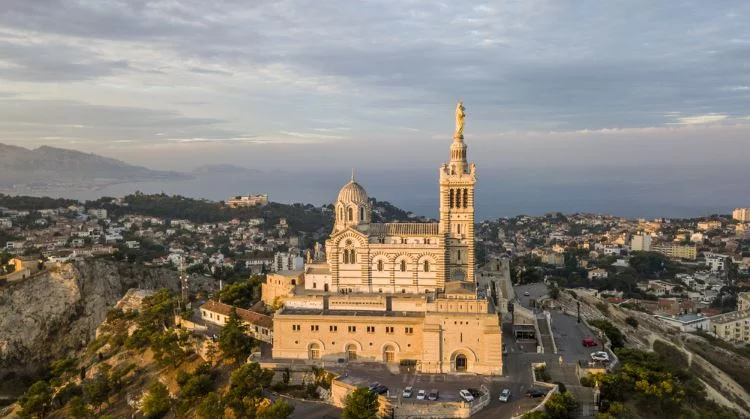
{"x": 50, "y": 166}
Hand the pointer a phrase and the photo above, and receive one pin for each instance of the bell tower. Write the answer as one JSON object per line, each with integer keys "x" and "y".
{"x": 457, "y": 180}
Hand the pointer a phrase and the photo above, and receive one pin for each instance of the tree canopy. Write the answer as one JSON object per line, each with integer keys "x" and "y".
{"x": 361, "y": 404}
{"x": 234, "y": 341}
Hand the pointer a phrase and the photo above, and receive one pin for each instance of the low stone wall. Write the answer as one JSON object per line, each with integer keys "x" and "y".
{"x": 188, "y": 325}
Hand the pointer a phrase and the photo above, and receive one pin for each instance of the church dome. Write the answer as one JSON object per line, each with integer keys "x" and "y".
{"x": 353, "y": 193}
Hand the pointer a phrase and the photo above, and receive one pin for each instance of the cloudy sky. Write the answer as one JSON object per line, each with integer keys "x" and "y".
{"x": 297, "y": 83}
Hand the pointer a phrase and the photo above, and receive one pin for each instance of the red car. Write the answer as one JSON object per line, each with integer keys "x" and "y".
{"x": 588, "y": 342}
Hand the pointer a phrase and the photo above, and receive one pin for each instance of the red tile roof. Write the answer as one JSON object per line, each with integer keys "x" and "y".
{"x": 246, "y": 315}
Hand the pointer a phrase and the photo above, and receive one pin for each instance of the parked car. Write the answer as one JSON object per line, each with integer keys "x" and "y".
{"x": 373, "y": 386}
{"x": 600, "y": 356}
{"x": 408, "y": 391}
{"x": 381, "y": 389}
{"x": 504, "y": 395}
{"x": 474, "y": 392}
{"x": 434, "y": 395}
{"x": 535, "y": 392}
{"x": 466, "y": 395}
{"x": 526, "y": 293}
{"x": 588, "y": 342}
{"x": 421, "y": 395}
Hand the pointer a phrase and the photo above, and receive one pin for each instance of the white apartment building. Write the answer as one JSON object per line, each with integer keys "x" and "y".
{"x": 741, "y": 214}
{"x": 640, "y": 242}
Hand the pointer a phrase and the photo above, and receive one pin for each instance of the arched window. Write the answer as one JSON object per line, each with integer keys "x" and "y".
{"x": 450, "y": 200}
{"x": 380, "y": 265}
{"x": 458, "y": 228}
{"x": 466, "y": 198}
{"x": 351, "y": 352}
{"x": 403, "y": 266}
{"x": 351, "y": 214}
{"x": 389, "y": 354}
{"x": 361, "y": 214}
{"x": 346, "y": 256}
{"x": 426, "y": 266}
{"x": 314, "y": 351}
{"x": 352, "y": 256}
{"x": 341, "y": 214}
{"x": 458, "y": 198}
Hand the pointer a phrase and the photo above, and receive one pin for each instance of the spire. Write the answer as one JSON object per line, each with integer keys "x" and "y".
{"x": 353, "y": 174}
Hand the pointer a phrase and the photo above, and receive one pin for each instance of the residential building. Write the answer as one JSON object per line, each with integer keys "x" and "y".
{"x": 741, "y": 214}
{"x": 732, "y": 327}
{"x": 717, "y": 262}
{"x": 676, "y": 251}
{"x": 259, "y": 325}
{"x": 743, "y": 301}
{"x": 709, "y": 225}
{"x": 597, "y": 273}
{"x": 687, "y": 322}
{"x": 241, "y": 201}
{"x": 100, "y": 213}
{"x": 640, "y": 242}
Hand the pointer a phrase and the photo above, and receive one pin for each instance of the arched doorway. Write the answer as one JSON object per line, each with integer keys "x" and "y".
{"x": 458, "y": 275}
{"x": 313, "y": 351}
{"x": 389, "y": 354}
{"x": 351, "y": 352}
{"x": 461, "y": 363}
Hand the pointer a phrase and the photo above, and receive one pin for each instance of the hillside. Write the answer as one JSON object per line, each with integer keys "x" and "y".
{"x": 49, "y": 166}
{"x": 55, "y": 314}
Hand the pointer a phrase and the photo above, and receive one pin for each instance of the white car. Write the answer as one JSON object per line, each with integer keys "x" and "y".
{"x": 408, "y": 391}
{"x": 466, "y": 395}
{"x": 600, "y": 356}
{"x": 421, "y": 394}
{"x": 504, "y": 395}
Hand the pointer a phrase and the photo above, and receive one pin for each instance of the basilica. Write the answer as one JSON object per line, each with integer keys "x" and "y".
{"x": 393, "y": 292}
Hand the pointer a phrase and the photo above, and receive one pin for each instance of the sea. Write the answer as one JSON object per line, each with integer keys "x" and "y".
{"x": 647, "y": 192}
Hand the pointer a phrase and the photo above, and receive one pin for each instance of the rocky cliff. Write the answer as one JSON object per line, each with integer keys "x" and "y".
{"x": 56, "y": 313}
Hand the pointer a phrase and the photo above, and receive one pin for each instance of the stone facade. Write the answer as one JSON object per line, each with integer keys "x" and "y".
{"x": 394, "y": 292}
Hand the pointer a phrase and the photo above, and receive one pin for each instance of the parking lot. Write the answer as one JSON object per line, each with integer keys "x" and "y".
{"x": 448, "y": 386}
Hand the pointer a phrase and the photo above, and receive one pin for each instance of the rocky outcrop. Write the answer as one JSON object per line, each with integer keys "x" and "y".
{"x": 56, "y": 313}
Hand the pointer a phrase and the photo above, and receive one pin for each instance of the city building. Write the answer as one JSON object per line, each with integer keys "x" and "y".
{"x": 597, "y": 273}
{"x": 640, "y": 242}
{"x": 241, "y": 201}
{"x": 709, "y": 225}
{"x": 676, "y": 251}
{"x": 741, "y": 214}
{"x": 717, "y": 262}
{"x": 687, "y": 322}
{"x": 100, "y": 213}
{"x": 732, "y": 327}
{"x": 394, "y": 292}
{"x": 743, "y": 301}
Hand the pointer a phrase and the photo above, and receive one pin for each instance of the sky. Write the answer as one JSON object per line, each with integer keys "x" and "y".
{"x": 302, "y": 85}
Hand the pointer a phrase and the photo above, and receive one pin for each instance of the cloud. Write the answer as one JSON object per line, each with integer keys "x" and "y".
{"x": 710, "y": 118}
{"x": 207, "y": 72}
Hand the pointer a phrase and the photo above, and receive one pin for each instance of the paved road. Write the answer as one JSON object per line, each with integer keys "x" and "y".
{"x": 569, "y": 335}
{"x": 535, "y": 290}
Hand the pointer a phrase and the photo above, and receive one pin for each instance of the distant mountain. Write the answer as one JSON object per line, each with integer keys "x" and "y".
{"x": 55, "y": 167}
{"x": 223, "y": 169}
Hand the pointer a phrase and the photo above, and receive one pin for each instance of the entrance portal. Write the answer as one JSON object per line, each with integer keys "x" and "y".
{"x": 461, "y": 363}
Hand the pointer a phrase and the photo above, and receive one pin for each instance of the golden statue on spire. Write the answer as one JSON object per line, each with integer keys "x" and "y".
{"x": 460, "y": 115}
